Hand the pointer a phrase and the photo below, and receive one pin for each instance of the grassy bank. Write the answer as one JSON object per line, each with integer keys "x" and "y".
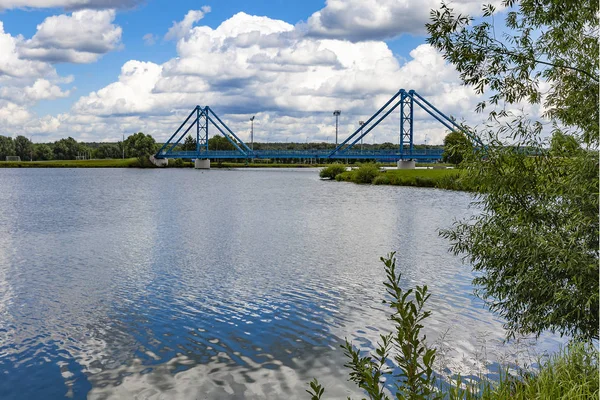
{"x": 133, "y": 163}
{"x": 572, "y": 373}
{"x": 214, "y": 164}
{"x": 402, "y": 362}
{"x": 106, "y": 163}
{"x": 263, "y": 165}
{"x": 180, "y": 163}
{"x": 450, "y": 179}
{"x": 173, "y": 163}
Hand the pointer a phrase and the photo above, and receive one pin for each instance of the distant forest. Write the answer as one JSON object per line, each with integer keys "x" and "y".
{"x": 70, "y": 149}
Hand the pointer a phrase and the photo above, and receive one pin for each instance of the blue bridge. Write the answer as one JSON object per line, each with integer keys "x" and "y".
{"x": 201, "y": 117}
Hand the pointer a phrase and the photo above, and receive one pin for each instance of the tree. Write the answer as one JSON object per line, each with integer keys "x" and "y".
{"x": 189, "y": 144}
{"x": 535, "y": 241}
{"x": 455, "y": 145}
{"x": 388, "y": 146}
{"x": 219, "y": 142}
{"x": 141, "y": 146}
{"x": 23, "y": 147}
{"x": 65, "y": 149}
{"x": 7, "y": 147}
{"x": 550, "y": 40}
{"x": 42, "y": 152}
{"x": 108, "y": 150}
{"x": 564, "y": 145}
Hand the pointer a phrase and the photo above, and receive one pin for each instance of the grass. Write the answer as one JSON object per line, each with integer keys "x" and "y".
{"x": 572, "y": 373}
{"x": 451, "y": 179}
{"x": 263, "y": 165}
{"x": 180, "y": 163}
{"x": 106, "y": 163}
{"x": 133, "y": 163}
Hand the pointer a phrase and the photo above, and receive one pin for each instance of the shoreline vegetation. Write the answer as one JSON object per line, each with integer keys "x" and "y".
{"x": 133, "y": 162}
{"x": 403, "y": 362}
{"x": 449, "y": 179}
{"x": 368, "y": 173}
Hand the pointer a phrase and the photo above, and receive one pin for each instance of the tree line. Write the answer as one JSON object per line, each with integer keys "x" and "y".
{"x": 141, "y": 145}
{"x": 70, "y": 149}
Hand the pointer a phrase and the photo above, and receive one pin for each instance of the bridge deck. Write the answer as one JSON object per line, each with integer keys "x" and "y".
{"x": 379, "y": 155}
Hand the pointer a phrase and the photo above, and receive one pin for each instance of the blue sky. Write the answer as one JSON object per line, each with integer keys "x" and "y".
{"x": 88, "y": 69}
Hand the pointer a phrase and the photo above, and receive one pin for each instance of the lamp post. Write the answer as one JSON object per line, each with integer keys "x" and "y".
{"x": 252, "y": 133}
{"x": 31, "y": 148}
{"x": 337, "y": 115}
{"x": 361, "y": 123}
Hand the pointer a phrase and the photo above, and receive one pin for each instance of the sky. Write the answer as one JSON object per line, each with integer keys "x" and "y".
{"x": 96, "y": 70}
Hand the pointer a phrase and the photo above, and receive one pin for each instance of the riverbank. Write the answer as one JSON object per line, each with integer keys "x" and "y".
{"x": 134, "y": 163}
{"x": 450, "y": 179}
{"x": 104, "y": 163}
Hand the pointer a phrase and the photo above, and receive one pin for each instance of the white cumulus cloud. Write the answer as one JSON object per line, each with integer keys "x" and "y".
{"x": 82, "y": 37}
{"x": 12, "y": 114}
{"x": 12, "y": 66}
{"x": 358, "y": 20}
{"x": 41, "y": 89}
{"x": 22, "y": 84}
{"x": 69, "y": 4}
{"x": 181, "y": 28}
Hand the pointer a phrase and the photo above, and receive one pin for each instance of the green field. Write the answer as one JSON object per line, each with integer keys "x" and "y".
{"x": 106, "y": 163}
{"x": 133, "y": 163}
{"x": 451, "y": 179}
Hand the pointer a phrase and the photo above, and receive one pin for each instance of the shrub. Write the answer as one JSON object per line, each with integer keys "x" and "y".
{"x": 447, "y": 182}
{"x": 424, "y": 182}
{"x": 347, "y": 176}
{"x": 413, "y": 358}
{"x": 381, "y": 179}
{"x": 366, "y": 173}
{"x": 400, "y": 180}
{"x": 331, "y": 171}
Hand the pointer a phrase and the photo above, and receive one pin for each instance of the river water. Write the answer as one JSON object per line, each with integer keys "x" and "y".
{"x": 221, "y": 284}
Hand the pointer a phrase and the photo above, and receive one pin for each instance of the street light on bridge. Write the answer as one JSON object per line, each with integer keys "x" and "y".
{"x": 31, "y": 148}
{"x": 337, "y": 115}
{"x": 361, "y": 123}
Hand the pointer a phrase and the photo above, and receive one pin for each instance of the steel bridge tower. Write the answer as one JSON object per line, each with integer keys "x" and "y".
{"x": 406, "y": 123}
{"x": 201, "y": 129}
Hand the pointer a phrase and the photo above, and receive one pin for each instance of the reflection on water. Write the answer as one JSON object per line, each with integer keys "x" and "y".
{"x": 185, "y": 284}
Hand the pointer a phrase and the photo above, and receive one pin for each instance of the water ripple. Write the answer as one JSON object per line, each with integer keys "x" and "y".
{"x": 226, "y": 284}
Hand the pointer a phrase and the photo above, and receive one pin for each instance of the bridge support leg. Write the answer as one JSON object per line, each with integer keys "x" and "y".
{"x": 202, "y": 164}
{"x": 159, "y": 162}
{"x": 406, "y": 164}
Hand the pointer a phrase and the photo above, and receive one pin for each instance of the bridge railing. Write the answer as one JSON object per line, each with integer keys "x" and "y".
{"x": 308, "y": 153}
{"x": 393, "y": 152}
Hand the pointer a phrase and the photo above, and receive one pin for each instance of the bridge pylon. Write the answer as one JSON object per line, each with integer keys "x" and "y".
{"x": 200, "y": 118}
{"x": 406, "y": 101}
{"x": 406, "y": 123}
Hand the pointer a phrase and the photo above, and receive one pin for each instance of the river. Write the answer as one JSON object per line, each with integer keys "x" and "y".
{"x": 220, "y": 284}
